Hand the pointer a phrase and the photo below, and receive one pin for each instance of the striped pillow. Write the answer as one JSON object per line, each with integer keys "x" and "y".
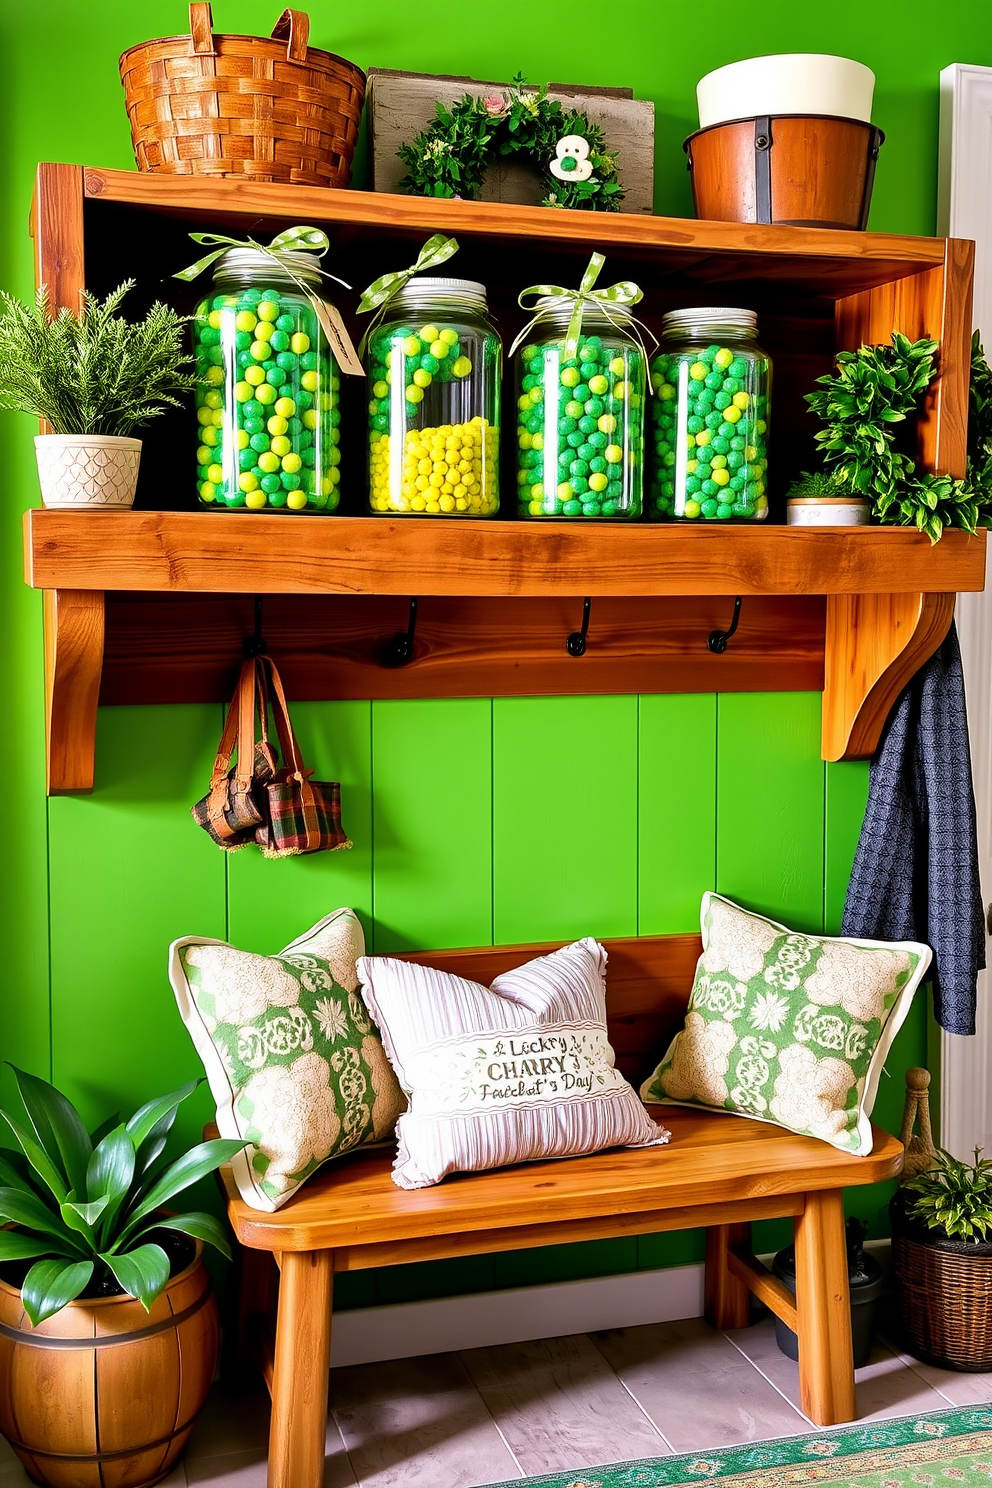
{"x": 502, "y": 1074}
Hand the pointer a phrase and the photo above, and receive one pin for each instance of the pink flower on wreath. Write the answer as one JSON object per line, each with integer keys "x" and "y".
{"x": 494, "y": 104}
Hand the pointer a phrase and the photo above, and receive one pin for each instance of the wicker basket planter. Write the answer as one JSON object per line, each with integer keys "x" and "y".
{"x": 262, "y": 110}
{"x": 944, "y": 1293}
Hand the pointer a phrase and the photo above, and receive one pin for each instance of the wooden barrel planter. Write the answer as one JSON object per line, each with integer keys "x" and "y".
{"x": 105, "y": 1394}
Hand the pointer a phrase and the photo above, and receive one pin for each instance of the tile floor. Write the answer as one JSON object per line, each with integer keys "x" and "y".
{"x": 489, "y": 1414}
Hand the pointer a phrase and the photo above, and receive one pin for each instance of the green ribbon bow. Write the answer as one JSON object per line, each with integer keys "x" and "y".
{"x": 437, "y": 250}
{"x": 624, "y": 293}
{"x": 293, "y": 239}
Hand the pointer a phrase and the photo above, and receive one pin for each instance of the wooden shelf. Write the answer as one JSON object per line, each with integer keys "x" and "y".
{"x": 234, "y": 553}
{"x": 151, "y": 604}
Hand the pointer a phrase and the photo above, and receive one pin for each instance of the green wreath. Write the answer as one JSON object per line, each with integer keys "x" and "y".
{"x": 451, "y": 156}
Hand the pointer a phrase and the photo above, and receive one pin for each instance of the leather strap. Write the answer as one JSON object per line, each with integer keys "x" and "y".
{"x": 291, "y": 757}
{"x": 762, "y": 169}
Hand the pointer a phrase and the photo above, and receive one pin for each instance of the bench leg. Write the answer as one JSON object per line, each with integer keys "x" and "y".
{"x": 727, "y": 1301}
{"x": 300, "y": 1369}
{"x": 257, "y": 1281}
{"x": 823, "y": 1308}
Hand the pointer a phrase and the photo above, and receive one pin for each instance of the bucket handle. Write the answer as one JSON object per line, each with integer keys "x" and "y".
{"x": 201, "y": 30}
{"x": 293, "y": 27}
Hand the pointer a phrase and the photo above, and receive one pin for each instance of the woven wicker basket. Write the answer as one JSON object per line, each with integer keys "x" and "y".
{"x": 205, "y": 105}
{"x": 945, "y": 1294}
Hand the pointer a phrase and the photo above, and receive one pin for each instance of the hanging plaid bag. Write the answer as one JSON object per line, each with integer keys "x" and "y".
{"x": 303, "y": 815}
{"x": 228, "y": 812}
{"x": 235, "y": 805}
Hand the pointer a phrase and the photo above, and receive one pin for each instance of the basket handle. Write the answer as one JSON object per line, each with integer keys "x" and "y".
{"x": 293, "y": 27}
{"x": 201, "y": 29}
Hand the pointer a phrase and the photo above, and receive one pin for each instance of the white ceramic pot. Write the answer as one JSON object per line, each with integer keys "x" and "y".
{"x": 87, "y": 470}
{"x": 794, "y": 83}
{"x": 827, "y": 511}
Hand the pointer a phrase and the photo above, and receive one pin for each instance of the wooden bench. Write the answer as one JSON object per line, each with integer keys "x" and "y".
{"x": 720, "y": 1172}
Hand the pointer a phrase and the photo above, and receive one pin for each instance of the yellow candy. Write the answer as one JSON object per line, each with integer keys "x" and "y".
{"x": 277, "y": 424}
{"x": 215, "y": 375}
{"x": 254, "y": 376}
{"x": 310, "y": 419}
{"x": 731, "y": 414}
{"x": 269, "y": 461}
{"x": 215, "y": 473}
{"x": 704, "y": 437}
{"x": 718, "y": 477}
{"x": 264, "y": 331}
{"x": 299, "y": 343}
{"x": 617, "y": 367}
{"x": 311, "y": 381}
{"x": 204, "y": 415}
{"x": 211, "y": 437}
{"x": 723, "y": 358}
{"x": 267, "y": 310}
{"x": 203, "y": 455}
{"x": 255, "y": 500}
{"x": 248, "y": 482}
{"x": 613, "y": 454}
{"x": 699, "y": 371}
{"x": 214, "y": 399}
{"x": 606, "y": 424}
{"x": 296, "y": 500}
{"x": 429, "y": 333}
{"x": 242, "y": 391}
{"x": 741, "y": 400}
{"x": 245, "y": 321}
{"x": 422, "y": 379}
{"x": 411, "y": 346}
{"x": 285, "y": 407}
{"x": 598, "y": 481}
{"x": 213, "y": 319}
{"x": 208, "y": 491}
{"x": 450, "y": 336}
{"x": 259, "y": 350}
{"x": 461, "y": 367}
{"x": 691, "y": 509}
{"x": 439, "y": 349}
{"x": 291, "y": 464}
{"x": 414, "y": 394}
{"x": 280, "y": 446}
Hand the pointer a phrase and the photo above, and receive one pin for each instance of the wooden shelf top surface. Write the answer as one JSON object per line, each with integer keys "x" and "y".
{"x": 813, "y": 260}
{"x": 239, "y": 553}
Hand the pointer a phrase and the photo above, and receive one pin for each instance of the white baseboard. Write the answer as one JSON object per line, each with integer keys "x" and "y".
{"x": 366, "y": 1335}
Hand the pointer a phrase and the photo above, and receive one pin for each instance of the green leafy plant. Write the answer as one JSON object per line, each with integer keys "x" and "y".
{"x": 451, "y": 156}
{"x": 92, "y": 373}
{"x": 86, "y": 1206}
{"x": 954, "y": 1197}
{"x": 863, "y": 404}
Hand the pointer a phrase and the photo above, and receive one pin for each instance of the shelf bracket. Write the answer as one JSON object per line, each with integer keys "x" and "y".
{"x": 874, "y": 644}
{"x": 74, "y": 634}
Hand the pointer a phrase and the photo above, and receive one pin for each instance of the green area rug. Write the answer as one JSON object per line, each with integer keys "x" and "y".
{"x": 938, "y": 1450}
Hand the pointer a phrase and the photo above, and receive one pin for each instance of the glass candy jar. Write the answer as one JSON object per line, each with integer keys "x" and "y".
{"x": 267, "y": 400}
{"x": 580, "y": 420}
{"x": 709, "y": 418}
{"x": 434, "y": 368}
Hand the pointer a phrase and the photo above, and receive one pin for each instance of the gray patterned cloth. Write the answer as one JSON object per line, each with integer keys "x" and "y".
{"x": 915, "y": 874}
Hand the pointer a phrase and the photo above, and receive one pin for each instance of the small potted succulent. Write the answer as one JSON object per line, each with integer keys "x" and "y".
{"x": 93, "y": 378}
{"x": 101, "y": 1287}
{"x": 942, "y": 1260}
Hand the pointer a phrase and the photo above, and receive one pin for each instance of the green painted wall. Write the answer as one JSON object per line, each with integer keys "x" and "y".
{"x": 470, "y": 819}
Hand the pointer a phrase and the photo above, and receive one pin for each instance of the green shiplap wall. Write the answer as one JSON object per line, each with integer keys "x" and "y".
{"x": 472, "y": 820}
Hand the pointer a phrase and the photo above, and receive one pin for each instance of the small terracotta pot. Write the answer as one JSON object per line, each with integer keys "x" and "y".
{"x": 87, "y": 470}
{"x": 104, "y": 1394}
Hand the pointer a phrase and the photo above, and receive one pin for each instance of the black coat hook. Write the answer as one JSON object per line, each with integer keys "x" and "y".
{"x": 255, "y": 645}
{"x": 399, "y": 651}
{"x": 717, "y": 639}
{"x": 576, "y": 643}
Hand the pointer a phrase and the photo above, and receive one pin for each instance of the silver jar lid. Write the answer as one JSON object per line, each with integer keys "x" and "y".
{"x": 423, "y": 288}
{"x": 727, "y": 317}
{"x": 553, "y": 307}
{"x": 281, "y": 265}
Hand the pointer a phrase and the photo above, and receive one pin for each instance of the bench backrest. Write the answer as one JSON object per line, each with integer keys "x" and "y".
{"x": 648, "y": 981}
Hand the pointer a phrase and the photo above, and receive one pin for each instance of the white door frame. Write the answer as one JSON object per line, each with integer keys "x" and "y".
{"x": 964, "y": 210}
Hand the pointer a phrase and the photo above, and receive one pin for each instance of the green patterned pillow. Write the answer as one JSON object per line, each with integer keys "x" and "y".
{"x": 292, "y": 1058}
{"x": 787, "y": 1028}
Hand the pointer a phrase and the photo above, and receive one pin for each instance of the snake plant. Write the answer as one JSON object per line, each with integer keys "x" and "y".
{"x": 85, "y": 1207}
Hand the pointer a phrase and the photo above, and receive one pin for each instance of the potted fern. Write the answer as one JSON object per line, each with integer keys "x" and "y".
{"x": 93, "y": 378}
{"x": 942, "y": 1259}
{"x": 100, "y": 1287}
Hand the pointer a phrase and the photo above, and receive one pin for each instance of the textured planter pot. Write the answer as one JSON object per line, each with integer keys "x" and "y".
{"x": 827, "y": 511}
{"x": 104, "y": 1394}
{"x": 87, "y": 470}
{"x": 944, "y": 1292}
